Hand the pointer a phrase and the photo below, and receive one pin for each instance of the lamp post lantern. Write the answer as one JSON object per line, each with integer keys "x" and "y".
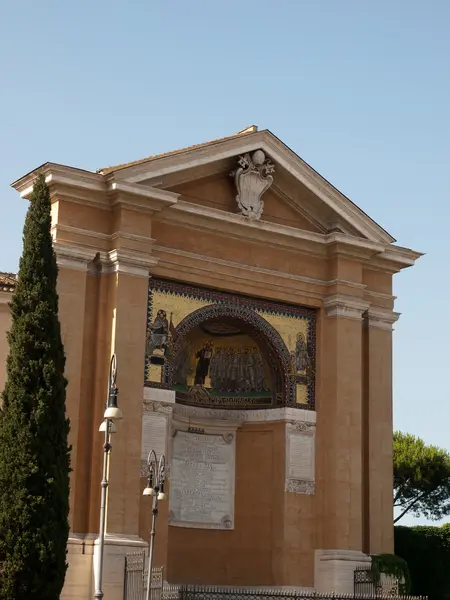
{"x": 112, "y": 413}
{"x": 155, "y": 488}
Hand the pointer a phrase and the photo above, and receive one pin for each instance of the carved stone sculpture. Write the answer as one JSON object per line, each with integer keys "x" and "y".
{"x": 252, "y": 178}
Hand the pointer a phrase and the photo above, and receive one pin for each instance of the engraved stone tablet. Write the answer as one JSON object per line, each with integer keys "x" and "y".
{"x": 202, "y": 480}
{"x": 154, "y": 435}
{"x": 301, "y": 457}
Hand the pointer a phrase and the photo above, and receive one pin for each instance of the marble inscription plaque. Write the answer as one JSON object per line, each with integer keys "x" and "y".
{"x": 202, "y": 480}
{"x": 154, "y": 435}
{"x": 301, "y": 457}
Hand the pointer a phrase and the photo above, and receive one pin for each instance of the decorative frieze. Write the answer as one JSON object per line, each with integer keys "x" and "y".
{"x": 296, "y": 486}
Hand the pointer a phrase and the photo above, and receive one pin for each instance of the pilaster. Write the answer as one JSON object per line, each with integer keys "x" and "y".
{"x": 125, "y": 280}
{"x": 339, "y": 484}
{"x": 378, "y": 426}
{"x": 72, "y": 290}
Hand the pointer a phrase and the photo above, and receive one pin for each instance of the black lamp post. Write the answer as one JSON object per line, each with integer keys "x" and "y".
{"x": 155, "y": 488}
{"x": 112, "y": 413}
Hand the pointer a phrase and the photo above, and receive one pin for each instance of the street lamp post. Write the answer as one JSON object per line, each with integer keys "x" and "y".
{"x": 112, "y": 413}
{"x": 155, "y": 488}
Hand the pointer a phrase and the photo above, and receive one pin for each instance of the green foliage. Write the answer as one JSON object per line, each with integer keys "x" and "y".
{"x": 34, "y": 453}
{"x": 427, "y": 553}
{"x": 394, "y": 565}
{"x": 421, "y": 478}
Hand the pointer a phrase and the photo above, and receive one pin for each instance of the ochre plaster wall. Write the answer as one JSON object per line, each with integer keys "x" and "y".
{"x": 254, "y": 552}
{"x": 275, "y": 533}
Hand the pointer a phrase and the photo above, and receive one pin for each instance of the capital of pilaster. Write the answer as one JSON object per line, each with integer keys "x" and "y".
{"x": 128, "y": 262}
{"x": 382, "y": 318}
{"x": 71, "y": 256}
{"x": 348, "y": 307}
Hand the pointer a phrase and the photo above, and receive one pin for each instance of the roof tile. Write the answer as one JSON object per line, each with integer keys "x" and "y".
{"x": 7, "y": 282}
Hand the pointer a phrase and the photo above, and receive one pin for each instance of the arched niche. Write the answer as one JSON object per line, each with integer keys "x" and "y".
{"x": 218, "y": 355}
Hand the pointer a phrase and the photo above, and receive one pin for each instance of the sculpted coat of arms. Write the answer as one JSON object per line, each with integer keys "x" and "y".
{"x": 252, "y": 178}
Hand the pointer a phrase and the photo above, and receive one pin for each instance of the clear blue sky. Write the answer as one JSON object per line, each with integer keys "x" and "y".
{"x": 360, "y": 89}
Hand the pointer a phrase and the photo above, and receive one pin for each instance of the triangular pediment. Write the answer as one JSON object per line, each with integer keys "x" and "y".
{"x": 298, "y": 197}
{"x": 219, "y": 192}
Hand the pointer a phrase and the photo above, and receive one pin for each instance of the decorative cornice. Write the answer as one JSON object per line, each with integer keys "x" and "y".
{"x": 139, "y": 197}
{"x": 72, "y": 256}
{"x": 281, "y": 155}
{"x": 373, "y": 246}
{"x": 62, "y": 175}
{"x": 206, "y": 218}
{"x": 348, "y": 307}
{"x": 292, "y": 415}
{"x": 89, "y": 233}
{"x": 381, "y": 318}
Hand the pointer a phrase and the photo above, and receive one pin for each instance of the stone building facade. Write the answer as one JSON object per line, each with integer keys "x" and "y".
{"x": 250, "y": 306}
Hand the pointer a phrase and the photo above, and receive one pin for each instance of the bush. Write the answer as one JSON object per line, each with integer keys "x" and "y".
{"x": 391, "y": 564}
{"x": 427, "y": 553}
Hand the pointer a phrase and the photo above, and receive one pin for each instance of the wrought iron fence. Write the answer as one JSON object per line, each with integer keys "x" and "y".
{"x": 135, "y": 582}
{"x": 368, "y": 582}
{"x": 187, "y": 592}
{"x": 366, "y": 587}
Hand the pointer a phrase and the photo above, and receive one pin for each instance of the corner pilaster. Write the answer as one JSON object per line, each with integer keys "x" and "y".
{"x": 75, "y": 303}
{"x": 339, "y": 484}
{"x": 378, "y": 427}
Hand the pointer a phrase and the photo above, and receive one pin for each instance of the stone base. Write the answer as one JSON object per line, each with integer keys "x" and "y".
{"x": 82, "y": 556}
{"x": 334, "y": 569}
{"x": 79, "y": 582}
{"x": 116, "y": 547}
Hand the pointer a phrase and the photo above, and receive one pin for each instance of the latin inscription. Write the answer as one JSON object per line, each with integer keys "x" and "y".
{"x": 202, "y": 480}
{"x": 301, "y": 457}
{"x": 154, "y": 433}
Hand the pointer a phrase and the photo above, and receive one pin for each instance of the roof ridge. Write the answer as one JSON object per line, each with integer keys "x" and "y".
{"x": 107, "y": 170}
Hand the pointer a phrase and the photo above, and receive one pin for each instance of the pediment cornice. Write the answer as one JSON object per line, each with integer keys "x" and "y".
{"x": 130, "y": 187}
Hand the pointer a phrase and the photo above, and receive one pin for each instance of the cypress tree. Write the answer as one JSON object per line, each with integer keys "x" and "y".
{"x": 34, "y": 451}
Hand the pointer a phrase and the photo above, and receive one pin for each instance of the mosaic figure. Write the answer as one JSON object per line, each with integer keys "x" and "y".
{"x": 159, "y": 333}
{"x": 235, "y": 370}
{"x": 216, "y": 374}
{"x": 249, "y": 369}
{"x": 182, "y": 368}
{"x": 260, "y": 372}
{"x": 204, "y": 358}
{"x": 301, "y": 353}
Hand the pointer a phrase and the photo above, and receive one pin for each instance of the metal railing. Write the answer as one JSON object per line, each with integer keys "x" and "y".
{"x": 366, "y": 587}
{"x": 218, "y": 593}
{"x": 135, "y": 582}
